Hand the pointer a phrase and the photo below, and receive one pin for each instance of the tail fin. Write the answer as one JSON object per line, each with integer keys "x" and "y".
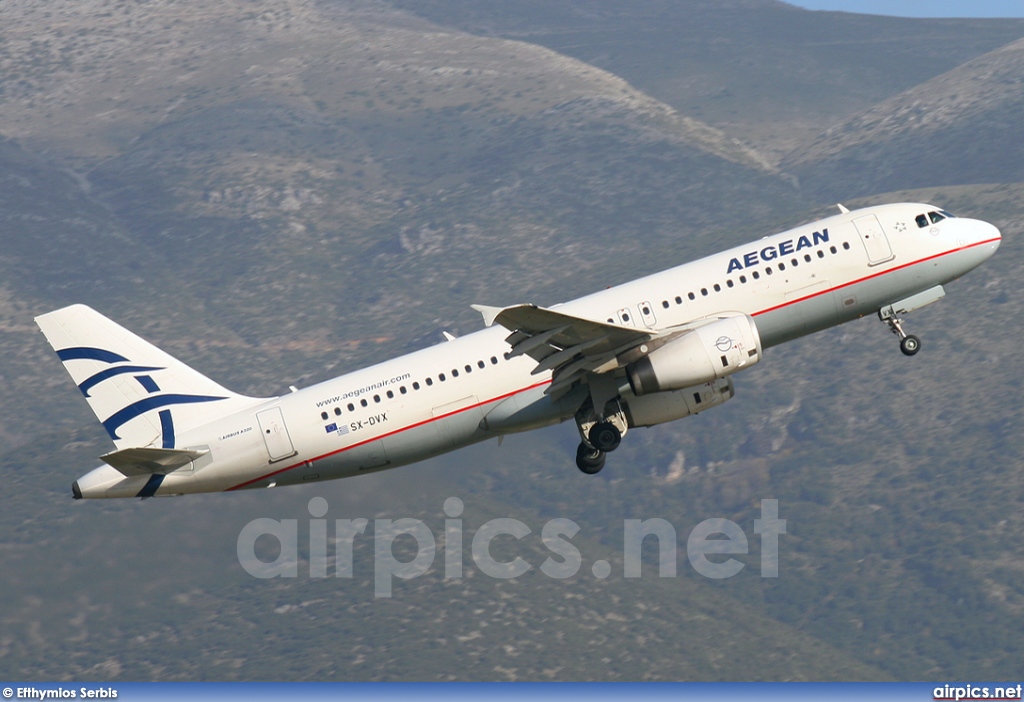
{"x": 142, "y": 395}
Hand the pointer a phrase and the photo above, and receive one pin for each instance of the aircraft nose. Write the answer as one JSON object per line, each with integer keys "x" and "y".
{"x": 990, "y": 235}
{"x": 994, "y": 233}
{"x": 990, "y": 232}
{"x": 981, "y": 232}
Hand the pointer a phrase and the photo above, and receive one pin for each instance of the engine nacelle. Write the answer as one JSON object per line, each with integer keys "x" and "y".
{"x": 714, "y": 350}
{"x": 662, "y": 407}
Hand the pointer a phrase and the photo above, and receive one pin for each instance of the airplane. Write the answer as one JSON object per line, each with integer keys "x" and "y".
{"x": 639, "y": 354}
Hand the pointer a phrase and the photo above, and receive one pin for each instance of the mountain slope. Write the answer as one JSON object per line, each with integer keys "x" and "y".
{"x": 958, "y": 128}
{"x": 727, "y": 63}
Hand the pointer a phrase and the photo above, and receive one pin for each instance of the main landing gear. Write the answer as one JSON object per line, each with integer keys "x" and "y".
{"x": 599, "y": 435}
{"x": 909, "y": 344}
{"x": 589, "y": 460}
{"x": 604, "y": 436}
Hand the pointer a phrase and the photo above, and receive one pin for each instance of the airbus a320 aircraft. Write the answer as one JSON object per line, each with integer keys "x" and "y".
{"x": 646, "y": 352}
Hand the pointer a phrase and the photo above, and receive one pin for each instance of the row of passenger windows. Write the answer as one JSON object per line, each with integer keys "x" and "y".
{"x": 403, "y": 390}
{"x": 704, "y": 292}
{"x": 729, "y": 283}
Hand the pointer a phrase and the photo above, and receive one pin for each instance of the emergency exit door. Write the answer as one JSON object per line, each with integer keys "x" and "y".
{"x": 275, "y": 434}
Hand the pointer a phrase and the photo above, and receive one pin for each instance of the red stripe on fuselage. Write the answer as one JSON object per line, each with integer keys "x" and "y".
{"x": 390, "y": 433}
{"x": 546, "y": 382}
{"x": 873, "y": 275}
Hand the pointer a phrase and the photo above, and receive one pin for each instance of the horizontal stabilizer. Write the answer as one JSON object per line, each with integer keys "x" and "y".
{"x": 145, "y": 461}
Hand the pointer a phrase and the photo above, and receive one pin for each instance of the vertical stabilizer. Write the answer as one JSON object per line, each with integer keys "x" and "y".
{"x": 142, "y": 395}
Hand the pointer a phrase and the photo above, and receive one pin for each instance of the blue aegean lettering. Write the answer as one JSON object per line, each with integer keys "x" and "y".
{"x": 770, "y": 253}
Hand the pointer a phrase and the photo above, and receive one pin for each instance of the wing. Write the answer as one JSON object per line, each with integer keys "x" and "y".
{"x": 569, "y": 346}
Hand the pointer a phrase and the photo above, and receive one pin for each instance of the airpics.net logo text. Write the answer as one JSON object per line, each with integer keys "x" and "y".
{"x": 710, "y": 546}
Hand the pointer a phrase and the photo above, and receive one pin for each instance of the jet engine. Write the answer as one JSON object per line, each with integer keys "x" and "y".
{"x": 661, "y": 407}
{"x": 711, "y": 351}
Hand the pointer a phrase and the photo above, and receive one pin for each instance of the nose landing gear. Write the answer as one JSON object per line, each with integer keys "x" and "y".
{"x": 890, "y": 314}
{"x": 909, "y": 344}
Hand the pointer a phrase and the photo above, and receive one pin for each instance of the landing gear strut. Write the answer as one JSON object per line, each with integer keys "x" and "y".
{"x": 909, "y": 344}
{"x": 589, "y": 460}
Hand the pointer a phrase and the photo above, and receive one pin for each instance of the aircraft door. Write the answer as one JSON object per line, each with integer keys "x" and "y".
{"x": 275, "y": 434}
{"x": 647, "y": 314}
{"x": 876, "y": 244}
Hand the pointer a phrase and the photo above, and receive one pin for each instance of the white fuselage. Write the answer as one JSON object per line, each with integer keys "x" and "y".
{"x": 435, "y": 400}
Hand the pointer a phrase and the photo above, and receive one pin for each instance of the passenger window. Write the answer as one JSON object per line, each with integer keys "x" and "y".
{"x": 795, "y": 263}
{"x": 718, "y": 288}
{"x": 833, "y": 249}
{"x": 391, "y": 395}
{"x": 363, "y": 403}
{"x": 323, "y": 415}
{"x": 479, "y": 364}
{"x": 821, "y": 254}
{"x": 846, "y": 246}
{"x": 755, "y": 275}
{"x": 337, "y": 411}
{"x": 469, "y": 368}
{"x": 376, "y": 398}
{"x": 402, "y": 390}
{"x": 440, "y": 376}
{"x": 782, "y": 266}
{"x": 922, "y": 221}
{"x": 351, "y": 407}
{"x": 743, "y": 279}
{"x": 768, "y": 270}
{"x": 415, "y": 386}
{"x": 664, "y": 303}
{"x": 430, "y": 381}
{"x": 679, "y": 300}
{"x": 704, "y": 292}
{"x": 807, "y": 257}
{"x": 729, "y": 282}
{"x": 691, "y": 296}
{"x": 494, "y": 360}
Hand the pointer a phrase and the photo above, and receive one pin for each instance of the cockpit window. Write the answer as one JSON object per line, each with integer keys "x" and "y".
{"x": 947, "y": 215}
{"x": 935, "y": 217}
{"x": 922, "y": 220}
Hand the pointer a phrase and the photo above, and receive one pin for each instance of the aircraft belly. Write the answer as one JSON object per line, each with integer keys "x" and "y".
{"x": 821, "y": 309}
{"x": 805, "y": 310}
